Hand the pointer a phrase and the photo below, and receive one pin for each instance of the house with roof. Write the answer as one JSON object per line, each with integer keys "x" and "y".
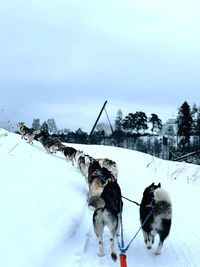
{"x": 169, "y": 128}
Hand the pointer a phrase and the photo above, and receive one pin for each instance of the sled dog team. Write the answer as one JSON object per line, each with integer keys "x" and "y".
{"x": 105, "y": 198}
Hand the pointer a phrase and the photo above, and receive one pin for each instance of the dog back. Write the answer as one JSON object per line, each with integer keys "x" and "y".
{"x": 112, "y": 196}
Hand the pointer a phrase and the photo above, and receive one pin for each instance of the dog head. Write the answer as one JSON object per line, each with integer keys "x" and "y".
{"x": 78, "y": 154}
{"x": 149, "y": 191}
{"x": 20, "y": 124}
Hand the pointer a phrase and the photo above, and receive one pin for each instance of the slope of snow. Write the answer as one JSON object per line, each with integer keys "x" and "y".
{"x": 45, "y": 220}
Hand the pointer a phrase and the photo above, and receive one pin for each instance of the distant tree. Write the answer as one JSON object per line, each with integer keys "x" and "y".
{"x": 129, "y": 123}
{"x": 196, "y": 124}
{"x": 80, "y": 136}
{"x": 184, "y": 122}
{"x": 64, "y": 131}
{"x": 156, "y": 122}
{"x": 119, "y": 121}
{"x": 194, "y": 113}
{"x": 36, "y": 124}
{"x": 52, "y": 126}
{"x": 102, "y": 126}
{"x": 44, "y": 127}
{"x": 135, "y": 122}
{"x": 141, "y": 121}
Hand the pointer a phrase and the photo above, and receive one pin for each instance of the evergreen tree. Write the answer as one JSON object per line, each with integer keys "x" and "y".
{"x": 184, "y": 122}
{"x": 135, "y": 122}
{"x": 44, "y": 127}
{"x": 128, "y": 123}
{"x": 156, "y": 122}
{"x": 141, "y": 121}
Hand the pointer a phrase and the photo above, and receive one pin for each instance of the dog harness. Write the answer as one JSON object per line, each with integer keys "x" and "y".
{"x": 151, "y": 204}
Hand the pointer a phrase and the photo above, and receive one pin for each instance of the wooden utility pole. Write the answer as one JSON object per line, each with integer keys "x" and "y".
{"x": 97, "y": 119}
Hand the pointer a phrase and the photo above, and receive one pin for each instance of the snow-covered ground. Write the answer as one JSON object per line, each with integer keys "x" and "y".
{"x": 45, "y": 221}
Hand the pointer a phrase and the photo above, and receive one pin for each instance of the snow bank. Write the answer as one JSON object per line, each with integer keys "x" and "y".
{"x": 45, "y": 220}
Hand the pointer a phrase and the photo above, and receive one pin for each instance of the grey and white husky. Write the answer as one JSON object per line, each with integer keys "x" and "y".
{"x": 157, "y": 203}
{"x": 106, "y": 213}
{"x": 110, "y": 165}
{"x": 27, "y": 133}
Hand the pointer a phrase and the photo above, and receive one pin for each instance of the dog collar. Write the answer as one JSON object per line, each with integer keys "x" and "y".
{"x": 150, "y": 206}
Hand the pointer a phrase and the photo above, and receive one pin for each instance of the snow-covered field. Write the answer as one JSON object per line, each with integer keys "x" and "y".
{"x": 45, "y": 221}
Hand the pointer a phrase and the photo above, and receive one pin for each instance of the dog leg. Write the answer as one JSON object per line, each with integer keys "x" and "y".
{"x": 112, "y": 246}
{"x": 98, "y": 228}
{"x": 160, "y": 245}
{"x": 112, "y": 239}
{"x": 163, "y": 232}
{"x": 72, "y": 162}
{"x": 148, "y": 239}
{"x": 86, "y": 179}
{"x": 101, "y": 248}
{"x": 118, "y": 225}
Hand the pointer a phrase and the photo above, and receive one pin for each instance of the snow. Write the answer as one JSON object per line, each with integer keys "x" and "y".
{"x": 45, "y": 220}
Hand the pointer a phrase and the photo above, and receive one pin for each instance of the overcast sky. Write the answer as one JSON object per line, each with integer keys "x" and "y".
{"x": 62, "y": 59}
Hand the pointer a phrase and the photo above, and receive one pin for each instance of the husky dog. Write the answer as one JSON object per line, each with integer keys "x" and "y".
{"x": 110, "y": 165}
{"x": 51, "y": 144}
{"x": 83, "y": 165}
{"x": 26, "y": 132}
{"x": 107, "y": 208}
{"x": 71, "y": 153}
{"x": 79, "y": 153}
{"x": 155, "y": 202}
{"x": 96, "y": 180}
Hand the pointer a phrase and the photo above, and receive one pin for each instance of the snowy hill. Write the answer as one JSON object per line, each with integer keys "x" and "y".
{"x": 45, "y": 221}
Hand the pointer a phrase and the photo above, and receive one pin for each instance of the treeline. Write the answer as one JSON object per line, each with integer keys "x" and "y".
{"x": 134, "y": 124}
{"x": 137, "y": 131}
{"x": 140, "y": 132}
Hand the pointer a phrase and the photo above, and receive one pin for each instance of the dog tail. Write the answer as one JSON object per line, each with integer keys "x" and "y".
{"x": 161, "y": 195}
{"x": 163, "y": 204}
{"x": 37, "y": 132}
{"x": 96, "y": 202}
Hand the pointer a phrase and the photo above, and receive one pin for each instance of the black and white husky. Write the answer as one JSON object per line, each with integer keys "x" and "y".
{"x": 155, "y": 202}
{"x": 106, "y": 213}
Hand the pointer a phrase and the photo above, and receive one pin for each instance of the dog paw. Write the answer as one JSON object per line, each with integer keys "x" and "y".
{"x": 101, "y": 254}
{"x": 158, "y": 252}
{"x": 114, "y": 256}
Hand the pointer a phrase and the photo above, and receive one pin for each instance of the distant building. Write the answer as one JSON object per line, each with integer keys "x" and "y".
{"x": 170, "y": 127}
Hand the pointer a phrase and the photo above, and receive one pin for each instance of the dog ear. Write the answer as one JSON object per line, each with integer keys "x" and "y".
{"x": 159, "y": 185}
{"x": 152, "y": 184}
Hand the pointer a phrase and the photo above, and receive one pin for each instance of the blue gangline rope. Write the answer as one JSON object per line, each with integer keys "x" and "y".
{"x": 121, "y": 247}
{"x": 140, "y": 227}
{"x": 122, "y": 231}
